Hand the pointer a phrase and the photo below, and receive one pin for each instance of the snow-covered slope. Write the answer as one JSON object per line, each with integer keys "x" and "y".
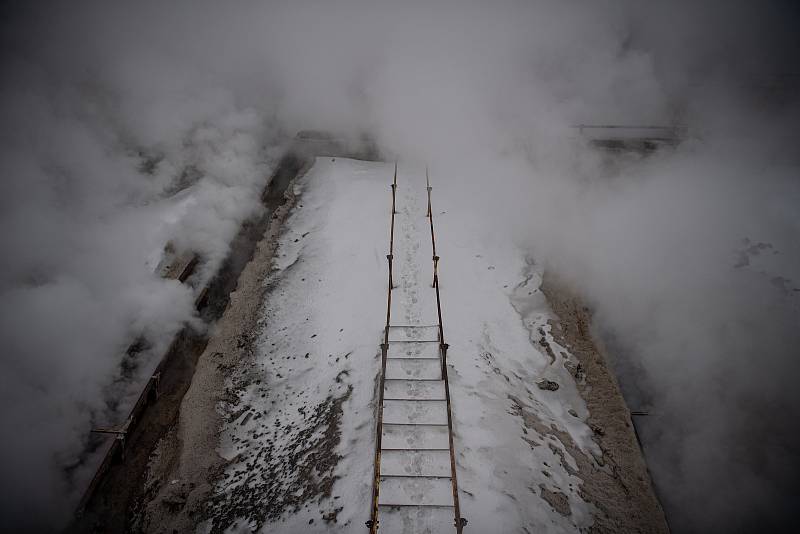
{"x": 300, "y": 436}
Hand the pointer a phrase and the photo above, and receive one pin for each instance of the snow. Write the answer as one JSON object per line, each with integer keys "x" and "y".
{"x": 416, "y": 491}
{"x": 491, "y": 303}
{"x": 319, "y": 341}
{"x": 414, "y": 389}
{"x": 420, "y": 334}
{"x": 413, "y": 369}
{"x": 420, "y": 437}
{"x": 407, "y": 412}
{"x": 414, "y": 350}
{"x": 416, "y": 463}
{"x": 322, "y": 327}
{"x": 422, "y": 520}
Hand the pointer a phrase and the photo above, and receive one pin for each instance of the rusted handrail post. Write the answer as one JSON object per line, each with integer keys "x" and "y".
{"x": 394, "y": 189}
{"x": 394, "y": 210}
{"x": 429, "y": 188}
{"x": 443, "y": 347}
{"x": 372, "y": 524}
{"x": 436, "y": 274}
{"x": 439, "y": 308}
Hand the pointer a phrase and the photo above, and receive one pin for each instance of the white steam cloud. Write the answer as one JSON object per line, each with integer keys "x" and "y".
{"x": 129, "y": 125}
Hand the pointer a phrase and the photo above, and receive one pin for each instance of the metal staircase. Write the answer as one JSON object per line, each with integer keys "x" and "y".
{"x": 415, "y": 488}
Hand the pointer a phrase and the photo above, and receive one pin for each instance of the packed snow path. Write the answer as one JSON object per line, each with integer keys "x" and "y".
{"x": 415, "y": 480}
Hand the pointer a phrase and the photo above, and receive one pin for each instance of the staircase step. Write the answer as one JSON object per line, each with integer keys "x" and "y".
{"x": 414, "y": 437}
{"x": 414, "y": 390}
{"x": 415, "y": 520}
{"x": 405, "y": 491}
{"x": 408, "y": 412}
{"x": 413, "y": 333}
{"x": 413, "y": 369}
{"x": 413, "y": 350}
{"x": 416, "y": 463}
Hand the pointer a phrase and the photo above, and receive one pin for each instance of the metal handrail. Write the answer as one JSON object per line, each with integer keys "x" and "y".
{"x": 372, "y": 524}
{"x": 435, "y": 283}
{"x": 459, "y": 522}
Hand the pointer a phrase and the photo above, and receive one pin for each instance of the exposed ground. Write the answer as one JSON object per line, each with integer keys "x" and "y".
{"x": 617, "y": 482}
{"x": 185, "y": 464}
{"x": 260, "y": 430}
{"x": 110, "y": 508}
{"x": 115, "y": 505}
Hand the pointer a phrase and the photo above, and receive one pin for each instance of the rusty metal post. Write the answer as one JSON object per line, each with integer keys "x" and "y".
{"x": 439, "y": 309}
{"x": 435, "y": 270}
{"x": 394, "y": 210}
{"x": 443, "y": 347}
{"x": 391, "y": 231}
{"x": 429, "y": 188}
{"x": 372, "y": 524}
{"x": 390, "y": 257}
{"x": 394, "y": 189}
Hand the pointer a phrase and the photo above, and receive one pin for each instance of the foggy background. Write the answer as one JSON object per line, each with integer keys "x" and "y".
{"x": 128, "y": 125}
